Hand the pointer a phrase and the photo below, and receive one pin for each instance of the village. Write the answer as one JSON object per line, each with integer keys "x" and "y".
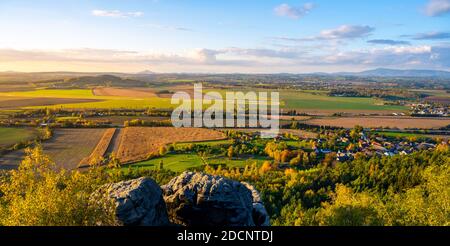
{"x": 347, "y": 144}
{"x": 432, "y": 109}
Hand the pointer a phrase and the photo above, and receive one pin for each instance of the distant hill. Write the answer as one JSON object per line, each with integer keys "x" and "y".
{"x": 384, "y": 72}
{"x": 103, "y": 80}
{"x": 146, "y": 72}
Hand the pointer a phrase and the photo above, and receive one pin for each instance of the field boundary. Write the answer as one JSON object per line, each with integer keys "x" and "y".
{"x": 101, "y": 149}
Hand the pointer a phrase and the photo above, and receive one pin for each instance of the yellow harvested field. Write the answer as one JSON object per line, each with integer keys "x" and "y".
{"x": 137, "y": 143}
{"x": 378, "y": 122}
{"x": 100, "y": 150}
{"x": 121, "y": 92}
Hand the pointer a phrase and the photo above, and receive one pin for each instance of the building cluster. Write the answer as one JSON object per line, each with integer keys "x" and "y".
{"x": 430, "y": 110}
{"x": 375, "y": 146}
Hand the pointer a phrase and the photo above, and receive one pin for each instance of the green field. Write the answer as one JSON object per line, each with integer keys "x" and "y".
{"x": 182, "y": 162}
{"x": 161, "y": 103}
{"x": 302, "y": 100}
{"x": 11, "y": 136}
{"x": 402, "y": 134}
{"x": 174, "y": 162}
{"x": 299, "y": 144}
{"x": 181, "y": 81}
{"x": 307, "y": 100}
{"x": 319, "y": 100}
{"x": 108, "y": 102}
{"x": 240, "y": 162}
{"x": 208, "y": 143}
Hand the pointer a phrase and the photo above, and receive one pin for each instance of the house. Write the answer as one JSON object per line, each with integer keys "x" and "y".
{"x": 325, "y": 151}
{"x": 378, "y": 147}
{"x": 388, "y": 153}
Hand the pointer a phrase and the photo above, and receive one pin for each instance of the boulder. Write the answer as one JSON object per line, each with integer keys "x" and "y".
{"x": 196, "y": 199}
{"x": 137, "y": 202}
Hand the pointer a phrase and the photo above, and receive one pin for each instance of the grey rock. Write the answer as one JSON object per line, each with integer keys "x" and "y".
{"x": 137, "y": 202}
{"x": 194, "y": 199}
{"x": 259, "y": 213}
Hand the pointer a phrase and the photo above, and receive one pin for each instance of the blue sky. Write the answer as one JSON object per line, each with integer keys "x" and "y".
{"x": 255, "y": 36}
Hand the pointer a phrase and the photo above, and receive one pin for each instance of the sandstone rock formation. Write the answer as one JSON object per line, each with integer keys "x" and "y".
{"x": 200, "y": 199}
{"x": 135, "y": 202}
{"x": 260, "y": 215}
{"x": 190, "y": 199}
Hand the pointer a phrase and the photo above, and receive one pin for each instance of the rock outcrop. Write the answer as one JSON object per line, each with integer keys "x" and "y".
{"x": 199, "y": 199}
{"x": 135, "y": 202}
{"x": 191, "y": 199}
{"x": 259, "y": 213}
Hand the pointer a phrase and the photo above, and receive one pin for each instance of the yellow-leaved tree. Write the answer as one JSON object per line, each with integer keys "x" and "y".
{"x": 37, "y": 194}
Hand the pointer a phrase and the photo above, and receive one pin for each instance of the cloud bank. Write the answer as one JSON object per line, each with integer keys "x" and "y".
{"x": 234, "y": 59}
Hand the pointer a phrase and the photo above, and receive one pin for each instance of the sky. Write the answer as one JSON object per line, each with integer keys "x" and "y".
{"x": 223, "y": 36}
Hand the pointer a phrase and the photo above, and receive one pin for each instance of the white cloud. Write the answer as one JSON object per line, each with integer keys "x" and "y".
{"x": 388, "y": 42}
{"x": 169, "y": 28}
{"x": 116, "y": 13}
{"x": 346, "y": 32}
{"x": 437, "y": 7}
{"x": 292, "y": 11}
{"x": 410, "y": 50}
{"x": 339, "y": 33}
{"x": 206, "y": 55}
{"x": 429, "y": 36}
{"x": 267, "y": 53}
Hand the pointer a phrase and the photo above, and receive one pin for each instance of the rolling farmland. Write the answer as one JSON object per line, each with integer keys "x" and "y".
{"x": 313, "y": 102}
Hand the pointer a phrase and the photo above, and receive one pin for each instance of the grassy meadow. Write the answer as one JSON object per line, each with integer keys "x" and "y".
{"x": 182, "y": 162}
{"x": 11, "y": 136}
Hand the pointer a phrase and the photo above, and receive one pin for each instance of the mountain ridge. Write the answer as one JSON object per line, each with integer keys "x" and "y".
{"x": 385, "y": 72}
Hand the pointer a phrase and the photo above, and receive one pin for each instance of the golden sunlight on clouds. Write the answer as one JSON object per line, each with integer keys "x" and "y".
{"x": 47, "y": 66}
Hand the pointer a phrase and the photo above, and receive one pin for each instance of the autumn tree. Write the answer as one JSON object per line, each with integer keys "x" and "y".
{"x": 230, "y": 152}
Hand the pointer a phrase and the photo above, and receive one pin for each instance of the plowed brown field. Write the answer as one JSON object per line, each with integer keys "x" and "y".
{"x": 137, "y": 143}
